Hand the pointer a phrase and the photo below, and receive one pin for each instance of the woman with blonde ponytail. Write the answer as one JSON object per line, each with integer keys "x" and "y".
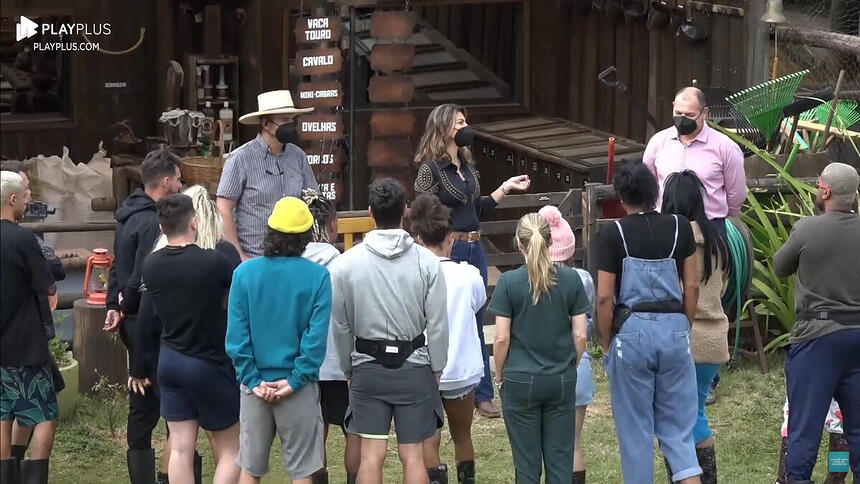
{"x": 540, "y": 313}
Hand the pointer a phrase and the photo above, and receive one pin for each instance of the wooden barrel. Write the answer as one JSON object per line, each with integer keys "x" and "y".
{"x": 98, "y": 353}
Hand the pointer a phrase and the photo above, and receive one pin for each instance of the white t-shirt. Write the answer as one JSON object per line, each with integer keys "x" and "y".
{"x": 466, "y": 295}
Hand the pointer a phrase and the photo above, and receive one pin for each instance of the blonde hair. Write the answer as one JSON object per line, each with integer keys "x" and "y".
{"x": 11, "y": 183}
{"x": 207, "y": 216}
{"x": 533, "y": 236}
{"x": 436, "y": 134}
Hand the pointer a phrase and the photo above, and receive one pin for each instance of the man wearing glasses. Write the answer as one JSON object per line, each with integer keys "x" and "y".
{"x": 822, "y": 360}
{"x": 690, "y": 144}
{"x": 261, "y": 172}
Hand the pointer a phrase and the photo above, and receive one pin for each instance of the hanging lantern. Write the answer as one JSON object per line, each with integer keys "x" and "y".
{"x": 96, "y": 280}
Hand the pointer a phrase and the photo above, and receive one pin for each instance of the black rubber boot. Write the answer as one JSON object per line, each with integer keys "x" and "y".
{"x": 466, "y": 472}
{"x": 708, "y": 462}
{"x": 19, "y": 452}
{"x": 198, "y": 468}
{"x": 34, "y": 471}
{"x": 9, "y": 471}
{"x": 782, "y": 471}
{"x": 837, "y": 444}
{"x": 438, "y": 475}
{"x": 320, "y": 477}
{"x": 141, "y": 465}
{"x": 162, "y": 478}
{"x": 350, "y": 478}
{"x": 578, "y": 477}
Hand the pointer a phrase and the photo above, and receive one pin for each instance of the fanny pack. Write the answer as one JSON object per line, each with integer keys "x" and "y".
{"x": 844, "y": 317}
{"x": 390, "y": 354}
{"x": 623, "y": 312}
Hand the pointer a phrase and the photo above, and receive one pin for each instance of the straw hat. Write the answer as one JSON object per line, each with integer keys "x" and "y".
{"x": 273, "y": 102}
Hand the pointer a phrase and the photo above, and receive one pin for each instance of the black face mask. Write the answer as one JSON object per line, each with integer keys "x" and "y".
{"x": 684, "y": 125}
{"x": 464, "y": 137}
{"x": 287, "y": 133}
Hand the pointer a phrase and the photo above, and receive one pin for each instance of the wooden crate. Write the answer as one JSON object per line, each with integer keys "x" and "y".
{"x": 557, "y": 154}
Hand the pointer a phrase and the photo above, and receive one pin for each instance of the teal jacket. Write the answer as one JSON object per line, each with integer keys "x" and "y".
{"x": 278, "y": 320}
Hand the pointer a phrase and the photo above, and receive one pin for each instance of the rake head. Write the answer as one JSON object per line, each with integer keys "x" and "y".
{"x": 846, "y": 113}
{"x": 762, "y": 104}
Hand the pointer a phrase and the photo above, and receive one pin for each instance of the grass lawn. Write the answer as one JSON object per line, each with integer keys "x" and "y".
{"x": 746, "y": 421}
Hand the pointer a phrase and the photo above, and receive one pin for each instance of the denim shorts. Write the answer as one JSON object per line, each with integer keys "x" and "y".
{"x": 457, "y": 393}
{"x": 585, "y": 388}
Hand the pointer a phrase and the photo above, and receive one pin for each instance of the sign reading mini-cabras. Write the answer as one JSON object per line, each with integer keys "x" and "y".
{"x": 315, "y": 62}
{"x": 318, "y": 29}
{"x": 315, "y": 127}
{"x": 320, "y": 94}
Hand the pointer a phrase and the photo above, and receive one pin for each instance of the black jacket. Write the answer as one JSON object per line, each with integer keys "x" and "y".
{"x": 135, "y": 236}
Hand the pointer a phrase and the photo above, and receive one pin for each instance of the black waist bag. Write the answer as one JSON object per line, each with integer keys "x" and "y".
{"x": 390, "y": 354}
{"x": 843, "y": 317}
{"x": 623, "y": 312}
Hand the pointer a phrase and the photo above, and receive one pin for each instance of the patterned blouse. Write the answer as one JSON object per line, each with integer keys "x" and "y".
{"x": 463, "y": 197}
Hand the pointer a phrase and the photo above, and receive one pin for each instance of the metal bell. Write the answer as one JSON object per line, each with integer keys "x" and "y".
{"x": 773, "y": 12}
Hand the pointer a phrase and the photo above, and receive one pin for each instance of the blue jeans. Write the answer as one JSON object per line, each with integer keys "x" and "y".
{"x": 473, "y": 253}
{"x": 652, "y": 389}
{"x": 705, "y": 374}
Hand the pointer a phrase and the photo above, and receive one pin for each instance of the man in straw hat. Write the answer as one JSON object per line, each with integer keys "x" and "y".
{"x": 823, "y": 361}
{"x": 262, "y": 171}
{"x": 277, "y": 328}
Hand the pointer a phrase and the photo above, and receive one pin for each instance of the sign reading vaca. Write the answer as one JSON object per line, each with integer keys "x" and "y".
{"x": 320, "y": 126}
{"x": 314, "y": 62}
{"x": 320, "y": 94}
{"x": 318, "y": 29}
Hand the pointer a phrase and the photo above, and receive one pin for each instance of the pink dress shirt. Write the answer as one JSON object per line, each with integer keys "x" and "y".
{"x": 715, "y": 158}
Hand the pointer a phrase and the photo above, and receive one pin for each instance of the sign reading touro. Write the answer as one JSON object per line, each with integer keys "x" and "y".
{"x": 320, "y": 127}
{"x": 314, "y": 62}
{"x": 319, "y": 94}
{"x": 318, "y": 29}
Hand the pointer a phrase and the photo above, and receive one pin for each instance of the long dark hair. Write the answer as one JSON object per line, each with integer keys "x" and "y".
{"x": 682, "y": 195}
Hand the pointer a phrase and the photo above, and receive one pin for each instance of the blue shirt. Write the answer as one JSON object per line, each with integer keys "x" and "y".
{"x": 278, "y": 319}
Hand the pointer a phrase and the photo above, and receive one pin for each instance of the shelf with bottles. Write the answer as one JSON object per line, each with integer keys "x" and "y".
{"x": 213, "y": 79}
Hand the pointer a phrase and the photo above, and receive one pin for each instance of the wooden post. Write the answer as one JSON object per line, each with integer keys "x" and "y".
{"x": 96, "y": 350}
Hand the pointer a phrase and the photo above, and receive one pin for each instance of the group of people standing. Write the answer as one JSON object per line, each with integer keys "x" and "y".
{"x": 242, "y": 318}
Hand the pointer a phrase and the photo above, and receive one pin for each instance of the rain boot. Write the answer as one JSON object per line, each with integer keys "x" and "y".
{"x": 708, "y": 462}
{"x": 19, "y": 452}
{"x": 198, "y": 468}
{"x": 837, "y": 444}
{"x": 438, "y": 475}
{"x": 350, "y": 478}
{"x": 320, "y": 477}
{"x": 141, "y": 465}
{"x": 578, "y": 477}
{"x": 782, "y": 472}
{"x": 34, "y": 471}
{"x": 9, "y": 471}
{"x": 162, "y": 478}
{"x": 466, "y": 472}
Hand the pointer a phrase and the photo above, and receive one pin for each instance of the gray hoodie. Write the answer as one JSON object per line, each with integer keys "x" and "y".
{"x": 389, "y": 288}
{"x": 323, "y": 254}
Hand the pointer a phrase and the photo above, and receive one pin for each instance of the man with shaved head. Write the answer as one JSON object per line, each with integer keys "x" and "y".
{"x": 690, "y": 144}
{"x": 824, "y": 353}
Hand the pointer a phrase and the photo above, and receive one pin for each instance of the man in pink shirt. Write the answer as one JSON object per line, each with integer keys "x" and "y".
{"x": 693, "y": 145}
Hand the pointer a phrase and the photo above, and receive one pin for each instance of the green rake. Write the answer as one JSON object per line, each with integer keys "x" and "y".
{"x": 846, "y": 114}
{"x": 762, "y": 104}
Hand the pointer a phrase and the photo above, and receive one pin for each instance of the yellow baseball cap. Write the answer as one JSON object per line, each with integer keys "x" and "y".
{"x": 291, "y": 216}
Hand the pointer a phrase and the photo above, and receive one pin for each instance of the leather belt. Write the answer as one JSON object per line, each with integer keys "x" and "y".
{"x": 473, "y": 236}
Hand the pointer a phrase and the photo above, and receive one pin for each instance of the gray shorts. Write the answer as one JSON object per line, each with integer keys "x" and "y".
{"x": 409, "y": 394}
{"x": 298, "y": 422}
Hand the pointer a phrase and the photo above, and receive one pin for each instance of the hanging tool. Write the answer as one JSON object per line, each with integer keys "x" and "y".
{"x": 609, "y": 76}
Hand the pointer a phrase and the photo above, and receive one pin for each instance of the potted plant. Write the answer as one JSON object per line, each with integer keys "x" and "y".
{"x": 67, "y": 399}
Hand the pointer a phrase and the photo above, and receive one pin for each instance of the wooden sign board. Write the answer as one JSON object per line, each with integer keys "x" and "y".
{"x": 391, "y": 123}
{"x": 318, "y": 29}
{"x": 389, "y": 153}
{"x": 326, "y": 160}
{"x": 319, "y": 94}
{"x": 391, "y": 89}
{"x": 388, "y": 58}
{"x": 315, "y": 62}
{"x": 315, "y": 127}
{"x": 331, "y": 188}
{"x": 391, "y": 25}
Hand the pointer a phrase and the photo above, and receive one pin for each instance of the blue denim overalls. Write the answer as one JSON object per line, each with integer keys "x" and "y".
{"x": 652, "y": 380}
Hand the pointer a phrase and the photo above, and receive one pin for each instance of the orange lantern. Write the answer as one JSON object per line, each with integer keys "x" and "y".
{"x": 96, "y": 280}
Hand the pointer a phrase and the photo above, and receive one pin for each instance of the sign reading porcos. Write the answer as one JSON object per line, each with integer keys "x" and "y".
{"x": 27, "y": 28}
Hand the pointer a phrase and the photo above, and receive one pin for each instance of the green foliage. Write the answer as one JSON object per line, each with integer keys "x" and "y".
{"x": 770, "y": 218}
{"x": 114, "y": 398}
{"x": 60, "y": 349}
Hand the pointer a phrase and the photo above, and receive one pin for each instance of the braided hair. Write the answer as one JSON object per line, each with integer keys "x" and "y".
{"x": 323, "y": 211}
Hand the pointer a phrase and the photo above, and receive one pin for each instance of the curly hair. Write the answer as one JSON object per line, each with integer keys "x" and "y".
{"x": 285, "y": 245}
{"x": 323, "y": 211}
{"x": 429, "y": 219}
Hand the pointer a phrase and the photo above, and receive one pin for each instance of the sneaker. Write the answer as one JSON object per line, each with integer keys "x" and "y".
{"x": 488, "y": 410}
{"x": 712, "y": 395}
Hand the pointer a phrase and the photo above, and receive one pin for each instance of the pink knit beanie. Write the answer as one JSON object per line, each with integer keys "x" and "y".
{"x": 563, "y": 240}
